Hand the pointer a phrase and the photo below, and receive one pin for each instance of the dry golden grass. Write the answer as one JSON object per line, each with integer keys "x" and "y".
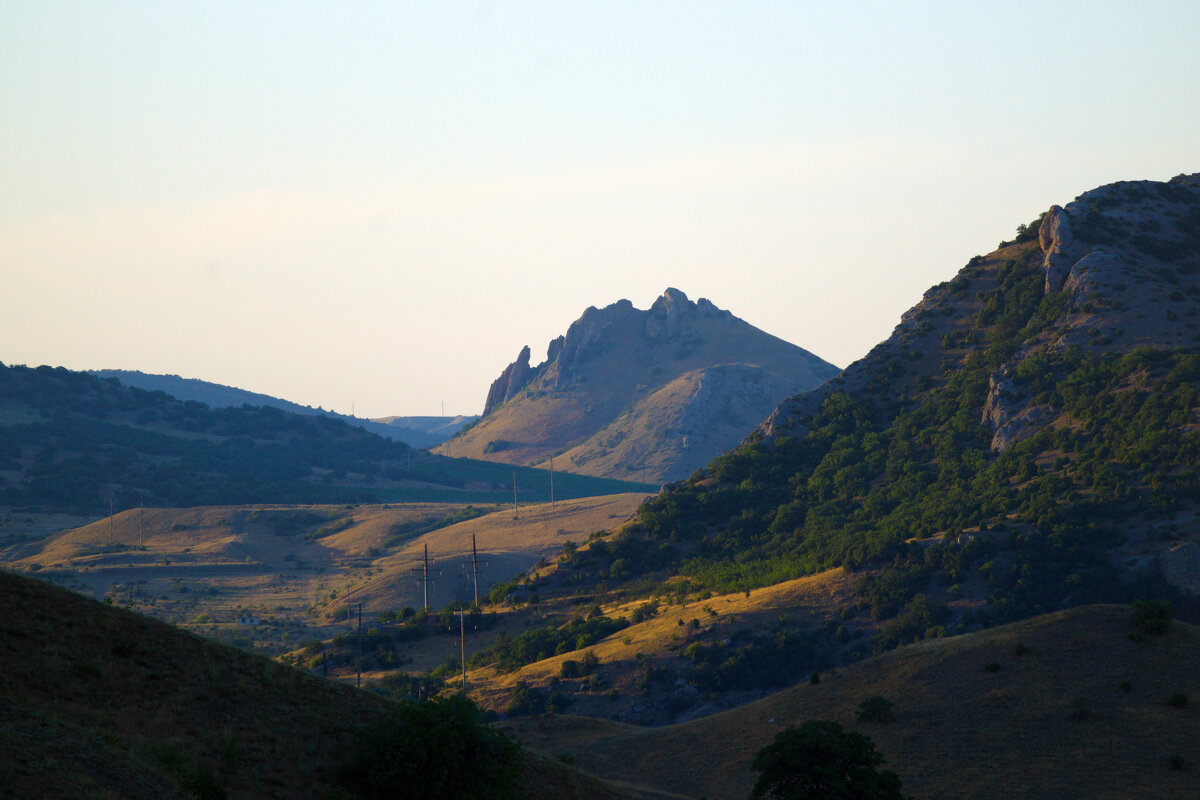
{"x": 508, "y": 545}
{"x": 203, "y": 567}
{"x": 622, "y": 652}
{"x": 961, "y": 731}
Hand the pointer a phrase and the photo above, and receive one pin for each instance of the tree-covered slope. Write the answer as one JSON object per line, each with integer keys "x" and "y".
{"x": 1026, "y": 439}
{"x": 69, "y": 441}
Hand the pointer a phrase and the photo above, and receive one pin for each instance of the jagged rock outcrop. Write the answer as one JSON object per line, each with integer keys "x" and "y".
{"x": 605, "y": 401}
{"x": 505, "y": 388}
{"x": 1056, "y": 242}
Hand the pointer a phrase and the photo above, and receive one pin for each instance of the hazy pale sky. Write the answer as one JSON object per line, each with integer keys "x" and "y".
{"x": 376, "y": 205}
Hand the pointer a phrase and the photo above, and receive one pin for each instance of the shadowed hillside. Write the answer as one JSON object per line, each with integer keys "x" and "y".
{"x": 1064, "y": 706}
{"x": 102, "y": 703}
{"x": 413, "y": 431}
{"x": 70, "y": 441}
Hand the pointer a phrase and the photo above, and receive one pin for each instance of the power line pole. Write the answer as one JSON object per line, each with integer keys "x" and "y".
{"x": 462, "y": 647}
{"x": 551, "y": 479}
{"x": 475, "y": 569}
{"x": 425, "y": 579}
{"x": 360, "y": 645}
{"x": 516, "y": 509}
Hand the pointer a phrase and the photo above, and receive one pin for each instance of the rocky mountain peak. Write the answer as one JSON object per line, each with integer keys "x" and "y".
{"x": 617, "y": 375}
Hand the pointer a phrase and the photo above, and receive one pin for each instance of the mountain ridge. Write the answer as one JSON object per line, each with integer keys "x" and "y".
{"x": 423, "y": 432}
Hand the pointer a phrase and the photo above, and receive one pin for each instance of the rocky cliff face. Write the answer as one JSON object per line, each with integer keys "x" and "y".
{"x": 600, "y": 402}
{"x": 1121, "y": 270}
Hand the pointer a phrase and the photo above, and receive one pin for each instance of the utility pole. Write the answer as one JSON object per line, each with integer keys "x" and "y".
{"x": 516, "y": 511}
{"x": 551, "y": 479}
{"x": 425, "y": 579}
{"x": 475, "y": 569}
{"x": 462, "y": 648}
{"x": 360, "y": 645}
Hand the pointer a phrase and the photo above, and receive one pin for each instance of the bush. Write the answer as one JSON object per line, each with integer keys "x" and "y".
{"x": 820, "y": 760}
{"x": 1153, "y": 616}
{"x": 876, "y": 709}
{"x": 1177, "y": 700}
{"x": 431, "y": 750}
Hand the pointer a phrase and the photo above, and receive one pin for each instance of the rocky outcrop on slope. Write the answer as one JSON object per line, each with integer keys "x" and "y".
{"x": 505, "y": 388}
{"x": 1121, "y": 263}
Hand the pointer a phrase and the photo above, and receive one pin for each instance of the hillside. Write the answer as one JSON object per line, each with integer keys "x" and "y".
{"x": 420, "y": 432}
{"x": 1038, "y": 414}
{"x": 640, "y": 395}
{"x": 1025, "y": 441}
{"x": 1065, "y": 706}
{"x": 70, "y": 441}
{"x": 296, "y": 569}
{"x": 99, "y": 702}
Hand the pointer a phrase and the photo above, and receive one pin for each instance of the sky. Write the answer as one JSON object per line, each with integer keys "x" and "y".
{"x": 372, "y": 207}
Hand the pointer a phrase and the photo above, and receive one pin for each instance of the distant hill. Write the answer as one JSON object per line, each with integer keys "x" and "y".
{"x": 421, "y": 432}
{"x": 640, "y": 395}
{"x": 69, "y": 441}
{"x": 100, "y": 702}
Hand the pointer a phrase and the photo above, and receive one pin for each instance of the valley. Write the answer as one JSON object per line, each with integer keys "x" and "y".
{"x": 990, "y": 522}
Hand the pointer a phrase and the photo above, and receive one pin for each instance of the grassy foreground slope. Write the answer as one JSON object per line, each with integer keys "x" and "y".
{"x": 102, "y": 703}
{"x": 1033, "y": 709}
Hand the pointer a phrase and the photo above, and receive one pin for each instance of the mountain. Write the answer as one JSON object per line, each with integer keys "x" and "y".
{"x": 421, "y": 432}
{"x": 1025, "y": 441}
{"x": 646, "y": 395}
{"x": 70, "y": 441}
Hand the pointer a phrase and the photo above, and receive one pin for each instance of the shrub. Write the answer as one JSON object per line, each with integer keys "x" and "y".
{"x": 820, "y": 760}
{"x": 876, "y": 709}
{"x": 1153, "y": 616}
{"x": 433, "y": 749}
{"x": 991, "y": 666}
{"x": 1176, "y": 761}
{"x": 1177, "y": 700}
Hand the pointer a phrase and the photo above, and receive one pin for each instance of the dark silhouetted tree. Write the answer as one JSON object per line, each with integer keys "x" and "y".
{"x": 821, "y": 761}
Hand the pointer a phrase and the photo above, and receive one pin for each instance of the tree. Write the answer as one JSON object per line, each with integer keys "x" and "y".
{"x": 820, "y": 761}
{"x": 876, "y": 709}
{"x": 431, "y": 750}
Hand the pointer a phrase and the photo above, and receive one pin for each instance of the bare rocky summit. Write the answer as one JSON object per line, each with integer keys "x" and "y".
{"x": 646, "y": 395}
